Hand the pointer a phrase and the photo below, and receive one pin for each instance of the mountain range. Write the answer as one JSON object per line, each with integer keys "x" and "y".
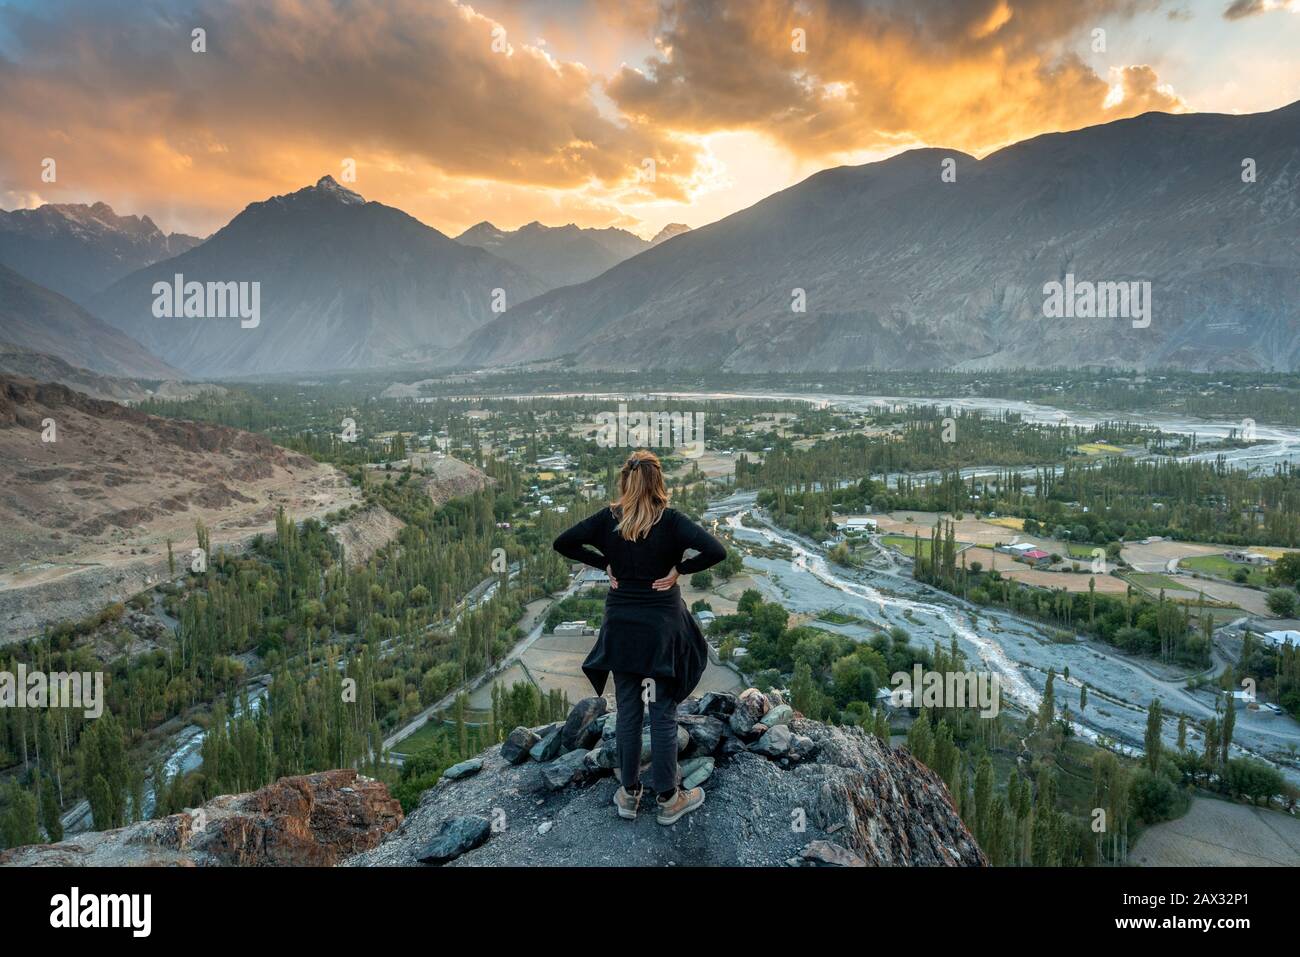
{"x": 929, "y": 259}
{"x": 344, "y": 283}
{"x": 77, "y": 249}
{"x": 900, "y": 268}
{"x": 563, "y": 255}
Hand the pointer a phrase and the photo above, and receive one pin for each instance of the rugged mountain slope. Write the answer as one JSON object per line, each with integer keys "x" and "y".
{"x": 794, "y": 792}
{"x": 344, "y": 283}
{"x": 78, "y": 250}
{"x": 35, "y": 319}
{"x": 557, "y": 255}
{"x": 16, "y": 361}
{"x": 85, "y": 518}
{"x": 903, "y": 270}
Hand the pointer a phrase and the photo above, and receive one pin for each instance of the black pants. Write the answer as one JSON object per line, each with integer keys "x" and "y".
{"x": 629, "y": 714}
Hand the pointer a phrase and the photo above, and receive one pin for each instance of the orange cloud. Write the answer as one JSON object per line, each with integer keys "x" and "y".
{"x": 456, "y": 123}
{"x": 288, "y": 88}
{"x": 972, "y": 74}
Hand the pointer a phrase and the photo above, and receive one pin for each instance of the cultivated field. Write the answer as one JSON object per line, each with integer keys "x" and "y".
{"x": 1218, "y": 834}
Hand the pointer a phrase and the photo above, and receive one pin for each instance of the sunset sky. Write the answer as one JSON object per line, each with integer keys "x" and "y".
{"x": 557, "y": 125}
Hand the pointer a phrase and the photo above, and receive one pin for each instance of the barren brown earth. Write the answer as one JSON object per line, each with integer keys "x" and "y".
{"x": 85, "y": 518}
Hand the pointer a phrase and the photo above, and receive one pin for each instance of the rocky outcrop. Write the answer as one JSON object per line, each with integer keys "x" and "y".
{"x": 446, "y": 478}
{"x": 314, "y": 820}
{"x": 365, "y": 533}
{"x": 794, "y": 793}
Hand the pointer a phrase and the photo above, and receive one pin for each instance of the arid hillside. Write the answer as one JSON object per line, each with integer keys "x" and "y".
{"x": 91, "y": 491}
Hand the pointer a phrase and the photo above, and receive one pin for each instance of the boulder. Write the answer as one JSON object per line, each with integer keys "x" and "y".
{"x": 717, "y": 704}
{"x": 730, "y": 743}
{"x": 456, "y": 836}
{"x": 549, "y": 748}
{"x": 580, "y": 728}
{"x": 775, "y": 743}
{"x": 463, "y": 770}
{"x": 516, "y": 746}
{"x": 829, "y": 854}
{"x": 695, "y": 771}
{"x": 751, "y": 706}
{"x": 704, "y": 731}
{"x": 781, "y": 714}
{"x": 567, "y": 769}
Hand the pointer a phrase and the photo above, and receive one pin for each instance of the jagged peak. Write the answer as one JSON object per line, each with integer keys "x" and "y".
{"x": 328, "y": 184}
{"x": 669, "y": 231}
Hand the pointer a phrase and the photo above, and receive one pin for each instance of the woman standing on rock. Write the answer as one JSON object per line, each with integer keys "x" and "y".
{"x": 648, "y": 640}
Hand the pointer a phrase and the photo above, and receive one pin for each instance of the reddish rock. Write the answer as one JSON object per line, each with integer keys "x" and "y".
{"x": 313, "y": 820}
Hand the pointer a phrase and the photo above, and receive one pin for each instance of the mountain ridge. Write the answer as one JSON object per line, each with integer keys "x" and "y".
{"x": 78, "y": 249}
{"x": 562, "y": 255}
{"x": 344, "y": 283}
{"x": 903, "y": 270}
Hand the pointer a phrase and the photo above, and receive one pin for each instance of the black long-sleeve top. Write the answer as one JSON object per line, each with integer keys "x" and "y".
{"x": 596, "y": 541}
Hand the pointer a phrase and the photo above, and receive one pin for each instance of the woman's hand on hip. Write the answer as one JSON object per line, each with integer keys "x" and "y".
{"x": 665, "y": 583}
{"x": 609, "y": 570}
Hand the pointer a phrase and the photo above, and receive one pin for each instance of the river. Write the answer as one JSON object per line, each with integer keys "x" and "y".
{"x": 1019, "y": 652}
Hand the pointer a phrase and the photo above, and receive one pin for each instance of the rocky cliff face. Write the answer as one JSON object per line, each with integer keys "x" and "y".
{"x": 310, "y": 821}
{"x": 780, "y": 790}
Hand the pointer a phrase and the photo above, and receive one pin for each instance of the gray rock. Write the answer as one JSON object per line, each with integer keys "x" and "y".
{"x": 717, "y": 704}
{"x": 695, "y": 771}
{"x": 750, "y": 708}
{"x": 802, "y": 747}
{"x": 456, "y": 836}
{"x": 601, "y": 759}
{"x": 516, "y": 746}
{"x": 705, "y": 732}
{"x": 547, "y": 749}
{"x": 781, "y": 714}
{"x": 689, "y": 706}
{"x": 463, "y": 770}
{"x": 580, "y": 729}
{"x": 775, "y": 743}
{"x": 567, "y": 769}
{"x": 730, "y": 744}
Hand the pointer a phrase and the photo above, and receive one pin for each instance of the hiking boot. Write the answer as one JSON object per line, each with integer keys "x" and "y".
{"x": 627, "y": 803}
{"x": 682, "y": 802}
